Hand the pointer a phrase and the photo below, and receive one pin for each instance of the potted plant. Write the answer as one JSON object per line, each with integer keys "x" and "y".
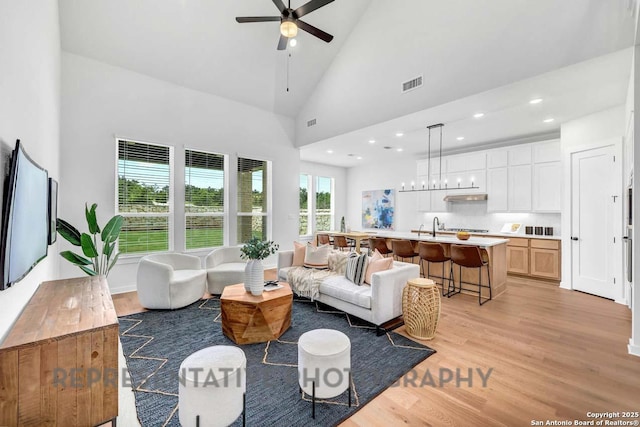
{"x": 98, "y": 259}
{"x": 255, "y": 250}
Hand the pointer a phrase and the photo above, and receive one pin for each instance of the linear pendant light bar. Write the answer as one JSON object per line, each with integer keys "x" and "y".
{"x": 472, "y": 187}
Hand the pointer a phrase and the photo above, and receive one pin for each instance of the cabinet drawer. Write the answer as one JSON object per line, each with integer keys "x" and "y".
{"x": 545, "y": 244}
{"x": 516, "y": 241}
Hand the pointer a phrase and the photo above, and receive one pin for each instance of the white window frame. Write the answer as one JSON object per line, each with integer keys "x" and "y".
{"x": 269, "y": 213}
{"x": 310, "y": 206}
{"x": 171, "y": 199}
{"x": 224, "y": 214}
{"x": 331, "y": 214}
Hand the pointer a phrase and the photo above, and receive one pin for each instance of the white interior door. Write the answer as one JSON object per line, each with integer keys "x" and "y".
{"x": 592, "y": 222}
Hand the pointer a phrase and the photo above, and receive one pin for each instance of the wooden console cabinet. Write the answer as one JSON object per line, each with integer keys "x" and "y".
{"x": 59, "y": 363}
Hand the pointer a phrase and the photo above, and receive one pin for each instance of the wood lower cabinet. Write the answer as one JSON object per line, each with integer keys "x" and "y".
{"x": 534, "y": 257}
{"x": 545, "y": 258}
{"x": 59, "y": 362}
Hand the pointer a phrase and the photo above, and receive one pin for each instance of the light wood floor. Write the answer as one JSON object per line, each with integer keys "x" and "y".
{"x": 555, "y": 354}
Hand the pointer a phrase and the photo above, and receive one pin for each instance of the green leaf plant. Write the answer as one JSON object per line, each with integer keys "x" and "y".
{"x": 258, "y": 249}
{"x": 93, "y": 261}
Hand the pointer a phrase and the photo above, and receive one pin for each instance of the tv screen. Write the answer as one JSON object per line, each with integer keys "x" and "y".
{"x": 25, "y": 222}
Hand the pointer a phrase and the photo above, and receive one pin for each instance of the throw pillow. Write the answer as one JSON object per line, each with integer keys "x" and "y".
{"x": 377, "y": 263}
{"x": 299, "y": 250}
{"x": 317, "y": 257}
{"x": 356, "y": 268}
{"x": 338, "y": 261}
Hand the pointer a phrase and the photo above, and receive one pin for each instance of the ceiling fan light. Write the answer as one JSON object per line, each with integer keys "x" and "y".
{"x": 288, "y": 29}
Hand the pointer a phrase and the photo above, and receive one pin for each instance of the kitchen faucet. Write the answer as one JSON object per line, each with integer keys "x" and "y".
{"x": 435, "y": 219}
{"x": 420, "y": 229}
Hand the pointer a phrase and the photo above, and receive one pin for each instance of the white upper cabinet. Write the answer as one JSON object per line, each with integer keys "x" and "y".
{"x": 467, "y": 162}
{"x": 519, "y": 186}
{"x": 497, "y": 158}
{"x": 547, "y": 188}
{"x": 520, "y": 155}
{"x": 546, "y": 151}
{"x": 497, "y": 189}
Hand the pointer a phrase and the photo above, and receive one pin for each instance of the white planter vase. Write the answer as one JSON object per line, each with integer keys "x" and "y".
{"x": 254, "y": 277}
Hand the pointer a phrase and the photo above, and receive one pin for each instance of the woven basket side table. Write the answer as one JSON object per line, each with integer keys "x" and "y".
{"x": 421, "y": 308}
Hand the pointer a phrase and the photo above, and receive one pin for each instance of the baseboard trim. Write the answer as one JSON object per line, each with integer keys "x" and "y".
{"x": 633, "y": 348}
{"x": 130, "y": 287}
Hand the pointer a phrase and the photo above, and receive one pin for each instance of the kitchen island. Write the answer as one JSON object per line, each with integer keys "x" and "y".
{"x": 496, "y": 248}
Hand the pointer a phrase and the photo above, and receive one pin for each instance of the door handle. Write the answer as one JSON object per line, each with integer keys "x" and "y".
{"x": 574, "y": 238}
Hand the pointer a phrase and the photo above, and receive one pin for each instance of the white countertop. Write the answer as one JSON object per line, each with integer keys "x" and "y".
{"x": 483, "y": 242}
{"x": 508, "y": 235}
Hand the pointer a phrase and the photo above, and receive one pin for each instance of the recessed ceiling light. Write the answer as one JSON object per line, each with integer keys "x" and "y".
{"x": 293, "y": 42}
{"x": 372, "y": 141}
{"x": 535, "y": 101}
{"x": 398, "y": 149}
{"x": 399, "y": 134}
{"x": 549, "y": 120}
{"x": 330, "y": 151}
{"x": 359, "y": 157}
{"x": 478, "y": 115}
{"x": 460, "y": 138}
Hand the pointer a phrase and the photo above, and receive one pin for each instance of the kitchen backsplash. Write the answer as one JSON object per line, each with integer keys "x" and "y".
{"x": 475, "y": 215}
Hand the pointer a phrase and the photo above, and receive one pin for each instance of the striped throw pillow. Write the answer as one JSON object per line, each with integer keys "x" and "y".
{"x": 317, "y": 257}
{"x": 356, "y": 268}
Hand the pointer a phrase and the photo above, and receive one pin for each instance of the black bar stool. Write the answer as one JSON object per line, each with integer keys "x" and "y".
{"x": 403, "y": 249}
{"x": 434, "y": 253}
{"x": 470, "y": 257}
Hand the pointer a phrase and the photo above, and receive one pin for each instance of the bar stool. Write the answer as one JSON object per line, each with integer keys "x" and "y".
{"x": 340, "y": 242}
{"x": 434, "y": 253}
{"x": 323, "y": 239}
{"x": 470, "y": 257}
{"x": 379, "y": 243}
{"x": 403, "y": 249}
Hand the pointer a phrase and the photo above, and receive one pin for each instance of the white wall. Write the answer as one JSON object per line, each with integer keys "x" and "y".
{"x": 634, "y": 341}
{"x": 29, "y": 111}
{"x": 339, "y": 175}
{"x": 100, "y": 102}
{"x": 596, "y": 129}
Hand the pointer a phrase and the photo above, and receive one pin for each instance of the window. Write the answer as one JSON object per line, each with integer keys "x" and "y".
{"x": 253, "y": 199}
{"x": 145, "y": 198}
{"x": 204, "y": 199}
{"x": 324, "y": 203}
{"x": 305, "y": 211}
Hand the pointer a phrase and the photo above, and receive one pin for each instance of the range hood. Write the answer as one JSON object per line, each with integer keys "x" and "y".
{"x": 477, "y": 197}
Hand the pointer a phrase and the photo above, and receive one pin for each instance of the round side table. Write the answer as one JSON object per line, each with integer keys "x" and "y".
{"x": 421, "y": 308}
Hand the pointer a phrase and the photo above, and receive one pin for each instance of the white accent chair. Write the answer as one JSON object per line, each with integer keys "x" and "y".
{"x": 224, "y": 267}
{"x": 170, "y": 281}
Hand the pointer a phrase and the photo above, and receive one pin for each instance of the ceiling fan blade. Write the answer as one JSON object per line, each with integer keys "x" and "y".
{"x": 282, "y": 43}
{"x": 245, "y": 19}
{"x": 314, "y": 31}
{"x": 309, "y": 7}
{"x": 281, "y": 7}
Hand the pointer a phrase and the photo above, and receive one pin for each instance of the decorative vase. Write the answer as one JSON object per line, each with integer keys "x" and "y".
{"x": 342, "y": 226}
{"x": 254, "y": 277}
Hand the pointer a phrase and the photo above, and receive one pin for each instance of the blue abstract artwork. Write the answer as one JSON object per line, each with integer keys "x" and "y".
{"x": 378, "y": 209}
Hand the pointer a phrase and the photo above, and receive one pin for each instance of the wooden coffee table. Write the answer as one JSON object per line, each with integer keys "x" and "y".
{"x": 248, "y": 319}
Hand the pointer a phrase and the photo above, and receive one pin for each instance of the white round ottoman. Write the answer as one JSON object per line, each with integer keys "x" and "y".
{"x": 324, "y": 364}
{"x": 212, "y": 386}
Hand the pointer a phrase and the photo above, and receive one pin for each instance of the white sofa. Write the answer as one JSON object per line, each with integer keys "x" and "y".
{"x": 377, "y": 303}
{"x": 224, "y": 267}
{"x": 170, "y": 281}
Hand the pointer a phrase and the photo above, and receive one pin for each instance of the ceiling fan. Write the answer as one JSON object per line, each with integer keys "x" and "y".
{"x": 290, "y": 21}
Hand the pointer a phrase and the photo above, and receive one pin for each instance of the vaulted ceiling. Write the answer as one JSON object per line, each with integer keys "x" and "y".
{"x": 462, "y": 49}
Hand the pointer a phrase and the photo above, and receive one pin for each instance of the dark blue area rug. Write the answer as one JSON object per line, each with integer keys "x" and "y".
{"x": 156, "y": 342}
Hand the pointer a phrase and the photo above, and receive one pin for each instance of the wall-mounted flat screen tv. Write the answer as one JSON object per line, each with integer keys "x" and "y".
{"x": 25, "y": 222}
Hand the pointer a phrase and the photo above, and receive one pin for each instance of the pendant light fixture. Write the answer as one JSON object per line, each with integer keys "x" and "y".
{"x": 433, "y": 187}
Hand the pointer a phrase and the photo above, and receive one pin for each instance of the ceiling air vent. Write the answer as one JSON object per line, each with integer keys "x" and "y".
{"x": 311, "y": 122}
{"x": 412, "y": 84}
